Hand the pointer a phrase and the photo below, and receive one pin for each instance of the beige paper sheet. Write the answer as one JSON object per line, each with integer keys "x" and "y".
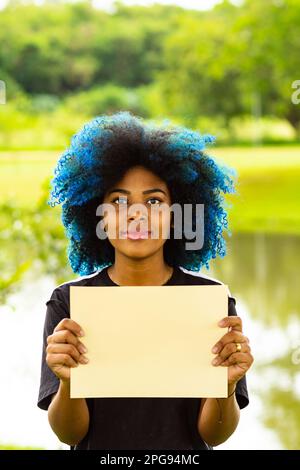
{"x": 149, "y": 341}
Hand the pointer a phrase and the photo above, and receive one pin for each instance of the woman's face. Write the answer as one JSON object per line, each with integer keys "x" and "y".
{"x": 139, "y": 222}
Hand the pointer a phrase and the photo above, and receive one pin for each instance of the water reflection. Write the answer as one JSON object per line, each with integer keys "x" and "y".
{"x": 262, "y": 272}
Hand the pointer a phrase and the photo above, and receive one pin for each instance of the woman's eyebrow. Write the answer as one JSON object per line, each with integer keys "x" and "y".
{"x": 154, "y": 190}
{"x": 148, "y": 191}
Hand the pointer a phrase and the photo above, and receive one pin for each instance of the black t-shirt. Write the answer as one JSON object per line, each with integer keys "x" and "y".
{"x": 131, "y": 423}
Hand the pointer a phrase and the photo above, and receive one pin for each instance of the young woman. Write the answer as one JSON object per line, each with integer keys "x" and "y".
{"x": 121, "y": 161}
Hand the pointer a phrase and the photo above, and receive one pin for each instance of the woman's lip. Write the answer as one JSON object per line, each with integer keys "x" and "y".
{"x": 137, "y": 235}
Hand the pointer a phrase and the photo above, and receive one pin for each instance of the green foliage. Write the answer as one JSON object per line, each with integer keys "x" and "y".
{"x": 61, "y": 47}
{"x": 23, "y": 126}
{"x": 31, "y": 238}
{"x": 71, "y": 61}
{"x": 107, "y": 99}
{"x": 234, "y": 61}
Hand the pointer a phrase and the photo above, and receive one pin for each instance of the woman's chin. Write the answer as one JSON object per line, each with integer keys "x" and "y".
{"x": 137, "y": 250}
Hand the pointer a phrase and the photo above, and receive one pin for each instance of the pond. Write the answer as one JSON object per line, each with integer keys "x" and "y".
{"x": 262, "y": 272}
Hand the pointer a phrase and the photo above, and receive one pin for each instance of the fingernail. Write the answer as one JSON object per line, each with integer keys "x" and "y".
{"x": 82, "y": 348}
{"x": 215, "y": 349}
{"x": 215, "y": 362}
{"x": 222, "y": 323}
{"x": 83, "y": 359}
{"x": 81, "y": 333}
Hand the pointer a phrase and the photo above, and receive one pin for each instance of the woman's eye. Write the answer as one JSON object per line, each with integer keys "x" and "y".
{"x": 158, "y": 201}
{"x": 123, "y": 200}
{"x": 120, "y": 200}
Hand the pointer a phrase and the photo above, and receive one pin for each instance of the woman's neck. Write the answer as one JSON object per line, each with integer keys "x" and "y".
{"x": 153, "y": 271}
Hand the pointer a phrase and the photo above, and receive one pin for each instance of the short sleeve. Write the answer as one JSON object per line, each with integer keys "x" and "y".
{"x": 241, "y": 386}
{"x": 56, "y": 310}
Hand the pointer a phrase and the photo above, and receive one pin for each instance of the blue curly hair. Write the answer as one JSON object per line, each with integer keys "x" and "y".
{"x": 101, "y": 153}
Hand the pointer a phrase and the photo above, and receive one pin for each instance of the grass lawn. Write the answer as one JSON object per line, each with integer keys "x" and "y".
{"x": 15, "y": 447}
{"x": 268, "y": 188}
{"x": 268, "y": 184}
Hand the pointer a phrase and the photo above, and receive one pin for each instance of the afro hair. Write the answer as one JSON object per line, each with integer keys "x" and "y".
{"x": 101, "y": 153}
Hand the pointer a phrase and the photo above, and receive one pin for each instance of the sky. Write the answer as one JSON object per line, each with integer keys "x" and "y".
{"x": 108, "y": 4}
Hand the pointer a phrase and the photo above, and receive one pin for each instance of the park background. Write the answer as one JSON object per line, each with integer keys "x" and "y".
{"x": 224, "y": 68}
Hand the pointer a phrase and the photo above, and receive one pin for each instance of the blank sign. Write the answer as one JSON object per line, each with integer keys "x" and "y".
{"x": 149, "y": 341}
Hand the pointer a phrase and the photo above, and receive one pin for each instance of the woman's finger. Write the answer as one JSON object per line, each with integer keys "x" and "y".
{"x": 228, "y": 350}
{"x": 63, "y": 336}
{"x": 238, "y": 358}
{"x": 68, "y": 324}
{"x": 58, "y": 348}
{"x": 60, "y": 360}
{"x": 231, "y": 337}
{"x": 233, "y": 322}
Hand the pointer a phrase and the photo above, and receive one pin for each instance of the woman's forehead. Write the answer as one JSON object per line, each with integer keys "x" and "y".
{"x": 139, "y": 179}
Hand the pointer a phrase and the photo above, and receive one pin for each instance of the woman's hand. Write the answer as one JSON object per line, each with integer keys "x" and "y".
{"x": 227, "y": 350}
{"x": 64, "y": 349}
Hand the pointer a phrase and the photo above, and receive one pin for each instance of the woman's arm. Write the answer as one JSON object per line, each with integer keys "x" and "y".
{"x": 68, "y": 417}
{"x": 218, "y": 419}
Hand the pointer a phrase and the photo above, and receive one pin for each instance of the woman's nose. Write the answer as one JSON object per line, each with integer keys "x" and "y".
{"x": 137, "y": 214}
